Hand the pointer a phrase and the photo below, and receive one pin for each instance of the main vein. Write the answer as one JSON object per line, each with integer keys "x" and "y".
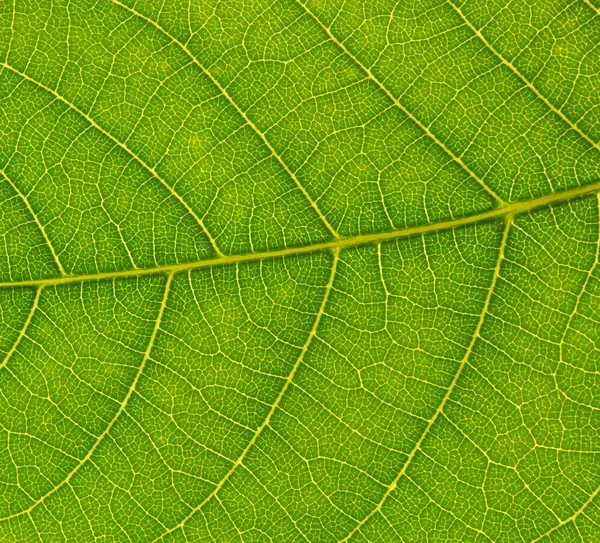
{"x": 341, "y": 243}
{"x": 273, "y": 408}
{"x": 448, "y": 393}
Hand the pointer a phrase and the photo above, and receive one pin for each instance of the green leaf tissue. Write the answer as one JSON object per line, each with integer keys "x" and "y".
{"x": 299, "y": 271}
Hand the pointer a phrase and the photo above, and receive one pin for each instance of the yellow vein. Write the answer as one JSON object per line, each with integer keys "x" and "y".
{"x": 276, "y": 403}
{"x": 457, "y": 375}
{"x": 123, "y": 146}
{"x": 23, "y": 331}
{"x": 37, "y": 222}
{"x": 121, "y": 409}
{"x": 588, "y": 277}
{"x": 571, "y": 518}
{"x": 597, "y": 10}
{"x": 583, "y": 289}
{"x": 240, "y": 111}
{"x": 341, "y": 243}
{"x": 423, "y": 127}
{"x": 522, "y": 78}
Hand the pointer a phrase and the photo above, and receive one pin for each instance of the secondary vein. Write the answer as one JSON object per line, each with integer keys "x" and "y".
{"x": 399, "y": 105}
{"x": 37, "y": 222}
{"x": 451, "y": 387}
{"x": 597, "y": 10}
{"x": 123, "y": 146}
{"x": 241, "y": 112}
{"x": 23, "y": 331}
{"x": 118, "y": 413}
{"x": 273, "y": 408}
{"x": 522, "y": 78}
{"x": 571, "y": 518}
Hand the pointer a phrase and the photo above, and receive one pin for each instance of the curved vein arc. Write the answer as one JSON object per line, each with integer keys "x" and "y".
{"x": 117, "y": 415}
{"x": 123, "y": 146}
{"x": 341, "y": 243}
{"x": 597, "y": 10}
{"x": 521, "y": 77}
{"x": 240, "y": 111}
{"x": 273, "y": 408}
{"x": 571, "y": 518}
{"x": 23, "y": 331}
{"x": 451, "y": 387}
{"x": 399, "y": 105}
{"x": 37, "y": 222}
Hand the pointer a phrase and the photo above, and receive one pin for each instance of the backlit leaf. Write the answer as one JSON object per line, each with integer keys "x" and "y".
{"x": 299, "y": 271}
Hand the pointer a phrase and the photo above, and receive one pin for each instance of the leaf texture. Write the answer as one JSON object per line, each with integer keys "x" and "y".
{"x": 299, "y": 271}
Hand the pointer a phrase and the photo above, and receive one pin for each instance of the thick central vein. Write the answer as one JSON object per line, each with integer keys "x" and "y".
{"x": 341, "y": 243}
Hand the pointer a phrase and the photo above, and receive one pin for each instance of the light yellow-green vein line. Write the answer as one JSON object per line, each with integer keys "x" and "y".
{"x": 583, "y": 289}
{"x": 276, "y": 403}
{"x": 575, "y": 307}
{"x": 123, "y": 146}
{"x": 597, "y": 10}
{"x": 341, "y": 243}
{"x": 448, "y": 393}
{"x": 570, "y": 518}
{"x": 23, "y": 331}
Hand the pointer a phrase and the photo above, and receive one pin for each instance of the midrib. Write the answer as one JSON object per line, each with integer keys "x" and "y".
{"x": 341, "y": 243}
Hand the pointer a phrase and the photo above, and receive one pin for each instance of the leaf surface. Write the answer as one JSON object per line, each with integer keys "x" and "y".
{"x": 299, "y": 271}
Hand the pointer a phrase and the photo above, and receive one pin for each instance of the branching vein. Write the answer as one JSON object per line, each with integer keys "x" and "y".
{"x": 341, "y": 243}
{"x": 37, "y": 222}
{"x": 448, "y": 393}
{"x": 117, "y": 414}
{"x": 242, "y": 113}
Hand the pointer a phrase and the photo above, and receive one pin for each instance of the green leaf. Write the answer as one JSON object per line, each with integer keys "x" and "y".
{"x": 299, "y": 271}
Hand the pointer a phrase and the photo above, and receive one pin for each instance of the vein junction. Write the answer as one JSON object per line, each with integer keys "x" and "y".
{"x": 341, "y": 243}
